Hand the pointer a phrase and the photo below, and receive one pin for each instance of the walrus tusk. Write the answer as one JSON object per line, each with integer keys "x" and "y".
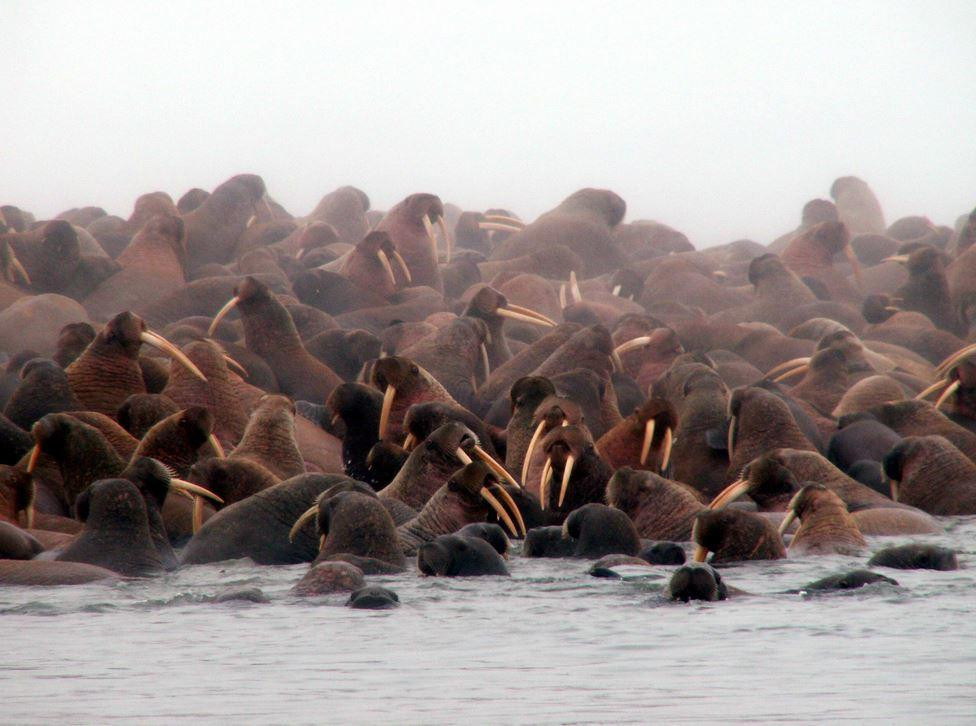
{"x": 30, "y": 515}
{"x": 789, "y": 374}
{"x": 409, "y": 442}
{"x": 617, "y": 289}
{"x": 34, "y": 456}
{"x": 17, "y": 269}
{"x": 300, "y": 253}
{"x": 235, "y": 366}
{"x": 941, "y": 383}
{"x": 251, "y": 220}
{"x": 484, "y": 361}
{"x": 388, "y": 395}
{"x": 530, "y": 312}
{"x": 900, "y": 259}
{"x": 185, "y": 486}
{"x": 308, "y": 514}
{"x": 402, "y": 264}
{"x": 618, "y": 365}
{"x": 505, "y": 219}
{"x": 950, "y": 362}
{"x": 448, "y": 244}
{"x": 495, "y": 466}
{"x": 632, "y": 344}
{"x": 530, "y": 449}
{"x": 893, "y": 483}
{"x": 431, "y": 236}
{"x": 731, "y": 437}
{"x": 158, "y": 341}
{"x": 787, "y": 364}
{"x": 499, "y": 510}
{"x": 498, "y": 227}
{"x": 567, "y": 473}
{"x": 728, "y": 495}
{"x": 787, "y": 521}
{"x": 217, "y": 447}
{"x": 221, "y": 314}
{"x": 544, "y": 483}
{"x": 515, "y": 510}
{"x": 197, "y": 514}
{"x": 574, "y": 288}
{"x": 700, "y": 553}
{"x": 646, "y": 443}
{"x": 948, "y": 392}
{"x": 562, "y": 296}
{"x": 463, "y": 456}
{"x": 387, "y": 267}
{"x": 855, "y": 264}
{"x": 506, "y": 312}
{"x": 892, "y": 309}
{"x": 666, "y": 455}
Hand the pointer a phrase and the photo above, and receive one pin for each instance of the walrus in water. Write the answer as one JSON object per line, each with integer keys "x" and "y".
{"x": 600, "y": 530}
{"x": 826, "y": 527}
{"x": 697, "y": 582}
{"x": 661, "y": 509}
{"x": 452, "y": 555}
{"x": 733, "y": 535}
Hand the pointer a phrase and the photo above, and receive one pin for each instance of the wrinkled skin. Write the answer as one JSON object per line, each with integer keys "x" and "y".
{"x": 660, "y": 509}
{"x": 600, "y": 530}
{"x": 458, "y": 556}
{"x": 733, "y": 536}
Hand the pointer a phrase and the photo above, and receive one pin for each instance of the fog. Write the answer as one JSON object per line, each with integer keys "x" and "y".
{"x": 720, "y": 120}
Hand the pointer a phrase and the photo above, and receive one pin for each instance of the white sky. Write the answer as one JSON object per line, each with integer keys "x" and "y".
{"x": 720, "y": 119}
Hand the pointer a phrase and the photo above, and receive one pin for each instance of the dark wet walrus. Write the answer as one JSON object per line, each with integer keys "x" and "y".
{"x": 453, "y": 555}
{"x": 733, "y": 535}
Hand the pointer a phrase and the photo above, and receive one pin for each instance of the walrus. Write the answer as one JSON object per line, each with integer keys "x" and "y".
{"x": 759, "y": 421}
{"x": 915, "y": 556}
{"x": 403, "y": 384}
{"x": 142, "y": 411}
{"x": 826, "y": 527}
{"x": 733, "y": 535}
{"x": 214, "y": 226}
{"x": 661, "y": 509}
{"x": 116, "y": 534}
{"x": 354, "y": 415}
{"x": 357, "y": 528}
{"x": 453, "y": 555}
{"x": 573, "y": 461}
{"x": 180, "y": 439}
{"x": 631, "y": 442}
{"x": 697, "y": 582}
{"x": 930, "y": 473}
{"x": 599, "y": 530}
{"x": 269, "y": 438}
{"x": 409, "y": 225}
{"x": 857, "y": 206}
{"x": 43, "y": 389}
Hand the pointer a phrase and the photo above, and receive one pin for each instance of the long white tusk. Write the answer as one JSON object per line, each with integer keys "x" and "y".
{"x": 448, "y": 244}
{"x": 515, "y": 510}
{"x": 941, "y": 383}
{"x": 197, "y": 514}
{"x": 409, "y": 442}
{"x": 900, "y": 259}
{"x": 217, "y": 447}
{"x": 155, "y": 339}
{"x": 700, "y": 553}
{"x": 463, "y": 456}
{"x": 528, "y": 451}
{"x": 544, "y": 483}
{"x": 183, "y": 485}
{"x": 499, "y": 510}
{"x": 308, "y": 514}
{"x": 950, "y": 362}
{"x": 530, "y": 312}
{"x": 618, "y": 365}
{"x": 646, "y": 443}
{"x": 893, "y": 483}
{"x": 732, "y": 492}
{"x": 504, "y": 219}
{"x": 787, "y": 364}
{"x": 948, "y": 392}
{"x": 787, "y": 521}
{"x": 495, "y": 466}
{"x": 789, "y": 374}
{"x": 498, "y": 227}
{"x": 431, "y": 236}
{"x": 512, "y": 315}
{"x": 633, "y": 344}
{"x": 731, "y": 439}
{"x": 666, "y": 454}
{"x": 221, "y": 314}
{"x": 574, "y": 287}
{"x": 484, "y": 361}
{"x": 562, "y": 296}
{"x": 388, "y": 395}
{"x": 235, "y": 366}
{"x": 34, "y": 456}
{"x": 567, "y": 473}
{"x": 616, "y": 290}
{"x": 387, "y": 267}
{"x": 855, "y": 265}
{"x": 402, "y": 264}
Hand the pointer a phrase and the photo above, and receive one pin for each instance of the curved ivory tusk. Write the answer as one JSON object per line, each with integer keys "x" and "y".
{"x": 498, "y": 227}
{"x": 617, "y": 289}
{"x": 512, "y": 315}
{"x": 950, "y": 362}
{"x": 484, "y": 361}
{"x": 448, "y": 244}
{"x": 530, "y": 449}
{"x": 893, "y": 483}
{"x": 941, "y": 383}
{"x": 402, "y": 264}
{"x": 34, "y": 456}
{"x": 505, "y": 219}
{"x": 618, "y": 365}
{"x": 700, "y": 553}
{"x": 789, "y": 374}
{"x": 544, "y": 483}
{"x": 855, "y": 265}
{"x": 574, "y": 288}
{"x": 30, "y": 515}
{"x": 787, "y": 521}
{"x": 409, "y": 442}
{"x": 16, "y": 268}
{"x": 515, "y": 510}
{"x": 158, "y": 341}
{"x": 189, "y": 487}
{"x": 567, "y": 473}
{"x": 530, "y": 312}
{"x": 387, "y": 267}
{"x": 787, "y": 364}
{"x": 731, "y": 439}
{"x": 221, "y": 314}
{"x": 235, "y": 366}
{"x": 499, "y": 510}
{"x": 462, "y": 455}
{"x": 900, "y": 259}
{"x": 388, "y": 396}
{"x": 308, "y": 514}
{"x": 728, "y": 495}
{"x": 646, "y": 443}
{"x": 496, "y": 466}
{"x": 217, "y": 447}
{"x": 948, "y": 392}
{"x": 666, "y": 454}
{"x": 431, "y": 236}
{"x": 632, "y": 344}
{"x": 197, "y": 514}
{"x": 562, "y": 296}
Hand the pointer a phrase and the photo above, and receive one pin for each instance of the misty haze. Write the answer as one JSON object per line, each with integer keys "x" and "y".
{"x": 487, "y": 362}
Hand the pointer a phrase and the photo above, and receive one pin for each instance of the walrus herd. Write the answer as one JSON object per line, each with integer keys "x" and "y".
{"x": 411, "y": 390}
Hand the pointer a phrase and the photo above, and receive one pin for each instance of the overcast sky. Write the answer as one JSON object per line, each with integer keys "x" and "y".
{"x": 721, "y": 119}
